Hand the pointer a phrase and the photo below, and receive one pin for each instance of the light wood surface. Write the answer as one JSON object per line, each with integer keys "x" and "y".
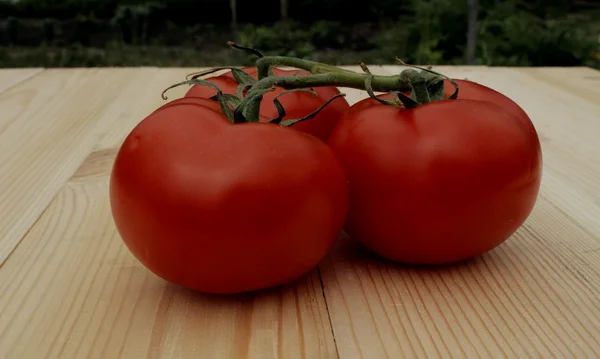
{"x": 70, "y": 289}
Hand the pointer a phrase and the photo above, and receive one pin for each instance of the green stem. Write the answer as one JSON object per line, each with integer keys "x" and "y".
{"x": 343, "y": 78}
{"x": 369, "y": 87}
{"x": 224, "y": 100}
{"x": 280, "y": 109}
{"x": 313, "y": 114}
{"x": 436, "y": 75}
{"x": 265, "y": 63}
{"x": 248, "y": 109}
{"x": 195, "y": 75}
{"x": 418, "y": 83}
{"x": 425, "y": 86}
{"x": 247, "y": 49}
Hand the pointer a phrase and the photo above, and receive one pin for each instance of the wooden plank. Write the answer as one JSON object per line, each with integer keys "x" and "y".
{"x": 12, "y": 77}
{"x": 583, "y": 82}
{"x": 73, "y": 290}
{"x": 534, "y": 296}
{"x": 49, "y": 126}
{"x": 527, "y": 298}
{"x": 149, "y": 99}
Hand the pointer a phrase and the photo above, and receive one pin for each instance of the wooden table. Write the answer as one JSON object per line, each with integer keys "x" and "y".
{"x": 69, "y": 288}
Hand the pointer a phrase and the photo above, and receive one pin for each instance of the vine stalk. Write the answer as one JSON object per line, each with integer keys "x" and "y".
{"x": 425, "y": 85}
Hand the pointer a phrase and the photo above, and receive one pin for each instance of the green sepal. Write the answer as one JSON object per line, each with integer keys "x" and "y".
{"x": 242, "y": 77}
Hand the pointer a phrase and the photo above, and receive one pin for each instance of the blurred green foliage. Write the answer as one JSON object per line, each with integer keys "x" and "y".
{"x": 185, "y": 33}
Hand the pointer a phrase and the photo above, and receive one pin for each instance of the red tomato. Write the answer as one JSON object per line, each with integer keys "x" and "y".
{"x": 468, "y": 91}
{"x": 225, "y": 208}
{"x": 442, "y": 182}
{"x": 297, "y": 105}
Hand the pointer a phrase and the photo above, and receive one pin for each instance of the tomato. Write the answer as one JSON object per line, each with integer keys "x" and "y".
{"x": 468, "y": 90}
{"x": 296, "y": 104}
{"x": 225, "y": 208}
{"x": 440, "y": 183}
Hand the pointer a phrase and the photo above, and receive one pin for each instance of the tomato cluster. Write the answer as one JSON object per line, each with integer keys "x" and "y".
{"x": 224, "y": 207}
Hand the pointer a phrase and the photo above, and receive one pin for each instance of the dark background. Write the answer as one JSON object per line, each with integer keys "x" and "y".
{"x": 67, "y": 33}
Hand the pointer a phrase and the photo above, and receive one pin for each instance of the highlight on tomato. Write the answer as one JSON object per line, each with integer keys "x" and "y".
{"x": 219, "y": 205}
{"x": 440, "y": 180}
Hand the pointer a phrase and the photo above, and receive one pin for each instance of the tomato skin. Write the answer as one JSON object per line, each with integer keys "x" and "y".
{"x": 468, "y": 90}
{"x": 297, "y": 105}
{"x": 226, "y": 84}
{"x": 212, "y": 105}
{"x": 224, "y": 208}
{"x": 440, "y": 183}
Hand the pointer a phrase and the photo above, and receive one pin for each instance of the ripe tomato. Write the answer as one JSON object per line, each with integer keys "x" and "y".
{"x": 225, "y": 208}
{"x": 297, "y": 104}
{"x": 442, "y": 182}
{"x": 469, "y": 90}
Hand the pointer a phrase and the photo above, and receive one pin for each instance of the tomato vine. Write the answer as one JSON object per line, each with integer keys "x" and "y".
{"x": 424, "y": 86}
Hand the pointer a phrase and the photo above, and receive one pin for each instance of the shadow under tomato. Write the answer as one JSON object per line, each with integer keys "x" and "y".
{"x": 351, "y": 251}
{"x": 250, "y": 296}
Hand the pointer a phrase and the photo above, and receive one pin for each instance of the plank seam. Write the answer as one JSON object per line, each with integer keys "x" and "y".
{"x": 67, "y": 181}
{"x": 2, "y": 262}
{"x": 337, "y": 351}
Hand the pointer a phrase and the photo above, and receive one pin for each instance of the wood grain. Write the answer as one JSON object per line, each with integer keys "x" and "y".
{"x": 583, "y": 82}
{"x": 13, "y": 77}
{"x": 49, "y": 126}
{"x": 535, "y": 296}
{"x": 147, "y": 99}
{"x": 73, "y": 290}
